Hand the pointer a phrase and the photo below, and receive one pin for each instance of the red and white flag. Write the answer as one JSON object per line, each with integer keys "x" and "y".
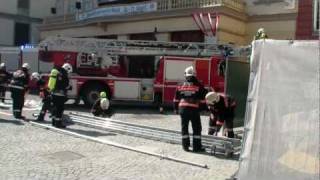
{"x": 207, "y": 22}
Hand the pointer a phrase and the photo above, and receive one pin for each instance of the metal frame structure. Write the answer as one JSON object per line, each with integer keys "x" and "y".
{"x": 213, "y": 144}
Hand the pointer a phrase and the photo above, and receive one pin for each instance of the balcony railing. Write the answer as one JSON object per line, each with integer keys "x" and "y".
{"x": 162, "y": 6}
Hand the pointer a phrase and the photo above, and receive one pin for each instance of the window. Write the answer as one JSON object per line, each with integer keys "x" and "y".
{"x": 22, "y": 34}
{"x": 187, "y": 36}
{"x": 23, "y": 7}
{"x": 316, "y": 15}
{"x": 112, "y": 2}
{"x": 23, "y": 4}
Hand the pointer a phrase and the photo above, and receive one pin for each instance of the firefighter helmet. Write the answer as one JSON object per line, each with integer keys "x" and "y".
{"x": 26, "y": 66}
{"x": 35, "y": 76}
{"x": 104, "y": 103}
{"x": 103, "y": 94}
{"x": 2, "y": 66}
{"x": 67, "y": 67}
{"x": 189, "y": 71}
{"x": 212, "y": 97}
{"x": 261, "y": 30}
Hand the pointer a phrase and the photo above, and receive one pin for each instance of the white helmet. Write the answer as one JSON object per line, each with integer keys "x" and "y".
{"x": 261, "y": 30}
{"x": 189, "y": 71}
{"x": 26, "y": 66}
{"x": 212, "y": 97}
{"x": 67, "y": 67}
{"x": 104, "y": 103}
{"x": 35, "y": 76}
{"x": 2, "y": 65}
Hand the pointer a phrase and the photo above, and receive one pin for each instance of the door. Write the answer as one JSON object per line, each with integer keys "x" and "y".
{"x": 173, "y": 74}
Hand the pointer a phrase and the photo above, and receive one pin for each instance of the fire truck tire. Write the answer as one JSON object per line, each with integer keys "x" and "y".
{"x": 91, "y": 94}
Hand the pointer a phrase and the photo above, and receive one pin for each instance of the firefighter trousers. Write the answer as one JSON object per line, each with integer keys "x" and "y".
{"x": 2, "y": 92}
{"x": 17, "y": 96}
{"x": 188, "y": 114}
{"x": 58, "y": 103}
{"x": 215, "y": 126}
{"x": 46, "y": 106}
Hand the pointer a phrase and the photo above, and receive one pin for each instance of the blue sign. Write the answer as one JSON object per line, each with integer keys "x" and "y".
{"x": 118, "y": 10}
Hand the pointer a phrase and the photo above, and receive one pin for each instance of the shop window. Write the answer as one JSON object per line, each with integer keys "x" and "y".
{"x": 143, "y": 36}
{"x": 107, "y": 37}
{"x": 111, "y": 2}
{"x": 187, "y": 36}
{"x": 316, "y": 15}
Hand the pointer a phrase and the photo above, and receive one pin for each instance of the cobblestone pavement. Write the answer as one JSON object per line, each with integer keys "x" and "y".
{"x": 29, "y": 152}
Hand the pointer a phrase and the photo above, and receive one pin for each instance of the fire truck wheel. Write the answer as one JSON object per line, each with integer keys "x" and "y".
{"x": 91, "y": 94}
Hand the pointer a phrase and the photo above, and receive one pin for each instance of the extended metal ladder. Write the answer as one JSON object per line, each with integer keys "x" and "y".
{"x": 131, "y": 47}
{"x": 214, "y": 144}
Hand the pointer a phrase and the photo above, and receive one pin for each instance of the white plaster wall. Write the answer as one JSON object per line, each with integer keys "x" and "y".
{"x": 8, "y": 6}
{"x": 6, "y": 32}
{"x": 35, "y": 34}
{"x": 41, "y": 8}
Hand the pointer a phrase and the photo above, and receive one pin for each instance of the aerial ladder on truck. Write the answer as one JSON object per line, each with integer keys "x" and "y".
{"x": 133, "y": 47}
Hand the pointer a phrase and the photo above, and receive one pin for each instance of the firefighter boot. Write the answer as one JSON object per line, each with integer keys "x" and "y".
{"x": 59, "y": 124}
{"x": 186, "y": 144}
{"x": 197, "y": 146}
{"x": 53, "y": 122}
{"x": 40, "y": 117}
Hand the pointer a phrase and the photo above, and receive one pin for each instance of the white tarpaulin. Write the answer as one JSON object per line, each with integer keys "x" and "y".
{"x": 282, "y": 122}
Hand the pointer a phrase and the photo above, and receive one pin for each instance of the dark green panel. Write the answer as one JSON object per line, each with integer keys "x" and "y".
{"x": 237, "y": 81}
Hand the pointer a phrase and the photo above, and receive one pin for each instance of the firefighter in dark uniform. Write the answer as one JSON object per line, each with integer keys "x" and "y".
{"x": 19, "y": 86}
{"x": 187, "y": 100}
{"x": 58, "y": 85}
{"x": 4, "y": 78}
{"x": 102, "y": 106}
{"x": 44, "y": 94}
{"x": 221, "y": 109}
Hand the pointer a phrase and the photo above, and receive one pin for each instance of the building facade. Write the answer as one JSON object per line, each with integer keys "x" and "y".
{"x": 19, "y": 20}
{"x": 308, "y": 20}
{"x": 172, "y": 20}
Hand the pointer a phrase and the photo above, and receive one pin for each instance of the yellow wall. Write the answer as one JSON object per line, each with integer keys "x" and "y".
{"x": 274, "y": 29}
{"x": 231, "y": 30}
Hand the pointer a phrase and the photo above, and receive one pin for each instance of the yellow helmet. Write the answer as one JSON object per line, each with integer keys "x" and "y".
{"x": 103, "y": 94}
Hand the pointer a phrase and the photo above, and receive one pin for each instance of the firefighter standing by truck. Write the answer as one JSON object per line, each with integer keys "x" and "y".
{"x": 44, "y": 94}
{"x": 221, "y": 109}
{"x": 58, "y": 85}
{"x": 19, "y": 86}
{"x": 188, "y": 98}
{"x": 4, "y": 78}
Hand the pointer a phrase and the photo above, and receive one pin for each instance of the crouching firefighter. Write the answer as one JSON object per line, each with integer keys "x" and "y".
{"x": 44, "y": 94}
{"x": 221, "y": 113}
{"x": 102, "y": 106}
{"x": 187, "y": 100}
{"x": 58, "y": 86}
{"x": 19, "y": 86}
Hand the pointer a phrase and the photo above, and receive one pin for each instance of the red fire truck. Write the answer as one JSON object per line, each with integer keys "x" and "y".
{"x": 132, "y": 71}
